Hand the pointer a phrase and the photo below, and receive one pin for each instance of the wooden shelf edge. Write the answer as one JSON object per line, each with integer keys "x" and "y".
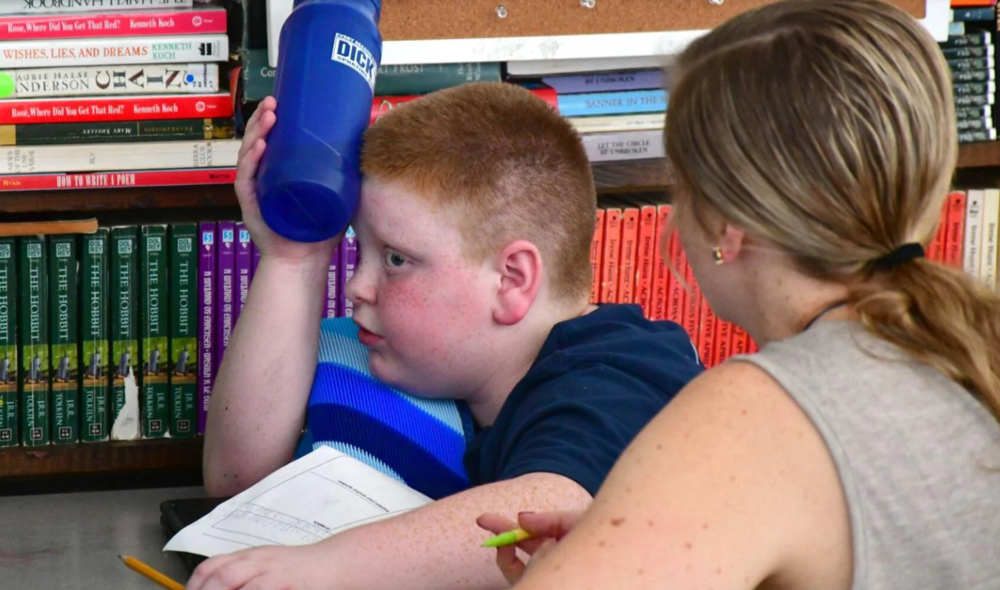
{"x": 609, "y": 177}
{"x": 105, "y": 457}
{"x": 118, "y": 199}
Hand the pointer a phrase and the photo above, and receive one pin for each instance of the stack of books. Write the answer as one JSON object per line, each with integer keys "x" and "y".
{"x": 971, "y": 55}
{"x": 619, "y": 113}
{"x": 114, "y": 93}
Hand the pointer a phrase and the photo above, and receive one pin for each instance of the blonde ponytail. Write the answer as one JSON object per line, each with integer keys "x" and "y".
{"x": 827, "y": 127}
{"x": 943, "y": 318}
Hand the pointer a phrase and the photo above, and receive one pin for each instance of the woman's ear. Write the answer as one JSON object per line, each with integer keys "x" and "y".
{"x": 731, "y": 242}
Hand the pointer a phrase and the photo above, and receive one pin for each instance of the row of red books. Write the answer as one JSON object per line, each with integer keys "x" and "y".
{"x": 629, "y": 267}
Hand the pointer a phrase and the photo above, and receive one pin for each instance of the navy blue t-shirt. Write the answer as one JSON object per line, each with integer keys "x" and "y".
{"x": 597, "y": 381}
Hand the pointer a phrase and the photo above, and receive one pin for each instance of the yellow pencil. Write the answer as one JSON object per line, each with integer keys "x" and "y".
{"x": 150, "y": 573}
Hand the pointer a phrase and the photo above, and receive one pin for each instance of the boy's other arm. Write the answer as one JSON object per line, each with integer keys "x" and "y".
{"x": 259, "y": 399}
{"x": 258, "y": 403}
{"x": 436, "y": 547}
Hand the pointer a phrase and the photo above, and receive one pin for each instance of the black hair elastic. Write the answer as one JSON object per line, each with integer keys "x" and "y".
{"x": 901, "y": 255}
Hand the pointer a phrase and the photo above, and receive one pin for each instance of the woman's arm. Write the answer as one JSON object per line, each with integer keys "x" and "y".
{"x": 730, "y": 486}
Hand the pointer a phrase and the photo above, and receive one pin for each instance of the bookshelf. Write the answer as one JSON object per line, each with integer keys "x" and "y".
{"x": 609, "y": 177}
{"x": 597, "y": 34}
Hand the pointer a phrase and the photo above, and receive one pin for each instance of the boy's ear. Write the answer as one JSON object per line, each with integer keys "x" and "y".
{"x": 520, "y": 268}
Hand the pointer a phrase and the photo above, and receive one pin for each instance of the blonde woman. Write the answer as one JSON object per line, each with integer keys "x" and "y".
{"x": 815, "y": 143}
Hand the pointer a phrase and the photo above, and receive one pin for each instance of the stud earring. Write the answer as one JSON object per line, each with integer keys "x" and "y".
{"x": 717, "y": 255}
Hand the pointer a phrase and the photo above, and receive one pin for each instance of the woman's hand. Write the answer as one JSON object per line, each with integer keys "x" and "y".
{"x": 546, "y": 528}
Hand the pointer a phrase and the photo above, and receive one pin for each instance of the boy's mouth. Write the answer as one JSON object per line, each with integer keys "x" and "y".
{"x": 367, "y": 338}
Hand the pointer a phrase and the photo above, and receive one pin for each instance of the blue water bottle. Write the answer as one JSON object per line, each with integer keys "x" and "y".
{"x": 309, "y": 179}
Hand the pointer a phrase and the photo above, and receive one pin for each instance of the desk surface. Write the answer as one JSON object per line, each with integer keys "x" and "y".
{"x": 72, "y": 541}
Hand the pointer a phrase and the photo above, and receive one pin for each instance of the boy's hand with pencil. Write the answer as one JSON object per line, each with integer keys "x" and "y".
{"x": 535, "y": 533}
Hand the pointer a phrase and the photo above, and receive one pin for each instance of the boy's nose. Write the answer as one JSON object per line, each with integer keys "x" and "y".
{"x": 360, "y": 288}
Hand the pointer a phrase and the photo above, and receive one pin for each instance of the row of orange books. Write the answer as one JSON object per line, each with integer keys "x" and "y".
{"x": 629, "y": 268}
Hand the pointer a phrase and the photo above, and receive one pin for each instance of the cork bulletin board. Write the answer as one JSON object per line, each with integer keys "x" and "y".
{"x": 406, "y": 20}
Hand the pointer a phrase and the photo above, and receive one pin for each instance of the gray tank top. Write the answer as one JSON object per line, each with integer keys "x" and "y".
{"x": 918, "y": 457}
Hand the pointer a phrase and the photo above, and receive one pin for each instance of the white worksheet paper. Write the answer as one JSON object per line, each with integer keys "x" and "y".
{"x": 308, "y": 500}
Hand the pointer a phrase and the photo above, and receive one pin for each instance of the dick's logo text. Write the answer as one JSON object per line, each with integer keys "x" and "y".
{"x": 354, "y": 55}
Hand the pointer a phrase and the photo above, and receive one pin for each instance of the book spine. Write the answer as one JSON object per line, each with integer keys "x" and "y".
{"x": 620, "y": 81}
{"x": 661, "y": 298}
{"x": 969, "y": 51}
{"x": 647, "y": 256}
{"x": 596, "y": 248}
{"x": 65, "y": 359}
{"x": 125, "y": 381}
{"x": 96, "y": 358}
{"x": 956, "y": 229}
{"x": 392, "y": 80}
{"x": 630, "y": 238}
{"x": 628, "y": 145}
{"x": 678, "y": 294}
{"x": 971, "y": 63}
{"x": 348, "y": 264}
{"x": 612, "y": 123}
{"x": 707, "y": 334}
{"x": 331, "y": 301}
{"x": 256, "y": 261}
{"x": 424, "y": 79}
{"x": 57, "y": 6}
{"x": 105, "y": 51}
{"x": 966, "y": 15}
{"x": 935, "y": 252}
{"x": 988, "y": 249}
{"x": 118, "y": 156}
{"x": 692, "y": 305}
{"x": 613, "y": 103}
{"x": 974, "y": 100}
{"x": 126, "y": 131}
{"x": 606, "y": 82}
{"x": 973, "y": 231}
{"x": 113, "y": 24}
{"x": 723, "y": 342}
{"x": 739, "y": 343}
{"x": 383, "y": 104}
{"x": 973, "y": 113}
{"x": 963, "y": 125}
{"x": 198, "y": 78}
{"x": 207, "y": 232}
{"x": 611, "y": 255}
{"x": 33, "y": 319}
{"x": 973, "y": 90}
{"x": 225, "y": 270}
{"x": 9, "y": 365}
{"x": 967, "y": 76}
{"x": 244, "y": 262}
{"x": 974, "y": 136}
{"x": 978, "y": 38}
{"x": 115, "y": 108}
{"x": 182, "y": 333}
{"x": 154, "y": 348}
{"x": 36, "y": 182}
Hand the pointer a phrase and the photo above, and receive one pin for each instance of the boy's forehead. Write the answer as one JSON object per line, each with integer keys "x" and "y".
{"x": 394, "y": 206}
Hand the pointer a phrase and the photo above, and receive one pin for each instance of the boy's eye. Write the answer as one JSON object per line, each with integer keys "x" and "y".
{"x": 394, "y": 259}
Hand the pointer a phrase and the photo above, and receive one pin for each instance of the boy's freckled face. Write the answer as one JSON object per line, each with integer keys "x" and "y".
{"x": 423, "y": 309}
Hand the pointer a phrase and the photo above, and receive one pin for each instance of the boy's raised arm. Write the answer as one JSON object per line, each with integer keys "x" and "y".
{"x": 259, "y": 399}
{"x": 437, "y": 547}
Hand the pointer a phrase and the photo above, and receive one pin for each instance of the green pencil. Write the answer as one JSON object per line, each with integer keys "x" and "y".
{"x": 508, "y": 538}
